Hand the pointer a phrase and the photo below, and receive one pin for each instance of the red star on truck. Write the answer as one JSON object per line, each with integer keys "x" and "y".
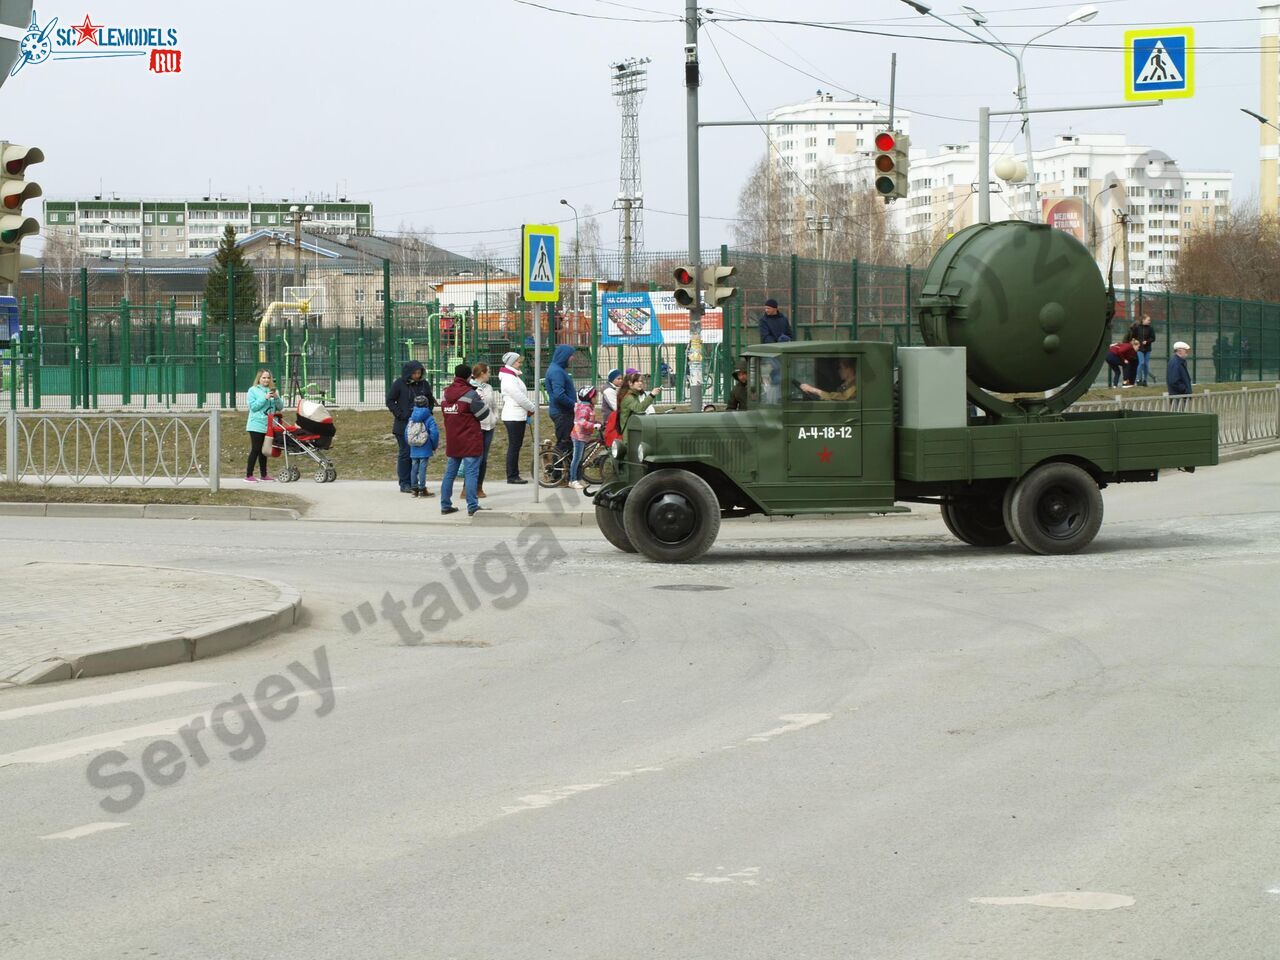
{"x": 825, "y": 455}
{"x": 88, "y": 31}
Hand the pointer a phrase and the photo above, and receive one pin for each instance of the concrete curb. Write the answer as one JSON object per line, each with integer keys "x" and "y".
{"x": 1243, "y": 451}
{"x": 164, "y": 650}
{"x": 147, "y": 511}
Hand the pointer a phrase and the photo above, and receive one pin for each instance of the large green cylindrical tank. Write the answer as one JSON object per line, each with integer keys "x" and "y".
{"x": 1025, "y": 300}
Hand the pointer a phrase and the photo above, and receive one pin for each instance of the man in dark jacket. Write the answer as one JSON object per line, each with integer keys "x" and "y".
{"x": 774, "y": 326}
{"x": 1145, "y": 334}
{"x": 738, "y": 395}
{"x": 411, "y": 384}
{"x": 561, "y": 395}
{"x": 463, "y": 410}
{"x": 1178, "y": 378}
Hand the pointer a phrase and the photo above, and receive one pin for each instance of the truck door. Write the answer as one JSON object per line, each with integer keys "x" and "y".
{"x": 823, "y": 418}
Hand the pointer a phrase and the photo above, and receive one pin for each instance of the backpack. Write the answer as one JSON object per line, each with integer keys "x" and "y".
{"x": 611, "y": 429}
{"x": 415, "y": 433}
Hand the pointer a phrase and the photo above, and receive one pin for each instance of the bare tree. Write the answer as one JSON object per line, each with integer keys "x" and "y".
{"x": 765, "y": 223}
{"x": 1235, "y": 259}
{"x": 589, "y": 245}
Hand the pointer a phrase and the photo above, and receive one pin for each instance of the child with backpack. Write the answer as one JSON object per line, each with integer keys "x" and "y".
{"x": 585, "y": 426}
{"x": 423, "y": 436}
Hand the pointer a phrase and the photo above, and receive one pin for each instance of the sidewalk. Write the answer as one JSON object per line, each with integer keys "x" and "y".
{"x": 68, "y": 620}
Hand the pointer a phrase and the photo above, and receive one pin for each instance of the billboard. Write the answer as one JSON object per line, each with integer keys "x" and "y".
{"x": 1065, "y": 214}
{"x": 652, "y": 317}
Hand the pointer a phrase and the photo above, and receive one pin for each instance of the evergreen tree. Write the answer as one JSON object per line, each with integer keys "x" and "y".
{"x": 231, "y": 258}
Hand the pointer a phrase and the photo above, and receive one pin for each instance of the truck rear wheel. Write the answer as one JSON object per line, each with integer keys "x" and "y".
{"x": 977, "y": 521}
{"x": 610, "y": 524}
{"x": 672, "y": 516}
{"x": 1056, "y": 508}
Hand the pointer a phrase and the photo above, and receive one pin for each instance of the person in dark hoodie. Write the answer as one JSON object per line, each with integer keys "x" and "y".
{"x": 774, "y": 326}
{"x": 463, "y": 440}
{"x": 561, "y": 395}
{"x": 411, "y": 384}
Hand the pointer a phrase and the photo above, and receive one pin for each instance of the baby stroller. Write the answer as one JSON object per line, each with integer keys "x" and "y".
{"x": 312, "y": 434}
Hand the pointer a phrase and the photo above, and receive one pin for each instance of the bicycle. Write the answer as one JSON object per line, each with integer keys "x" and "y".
{"x": 553, "y": 466}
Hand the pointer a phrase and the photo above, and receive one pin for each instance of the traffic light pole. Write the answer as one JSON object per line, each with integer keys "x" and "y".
{"x": 691, "y": 81}
{"x": 984, "y": 144}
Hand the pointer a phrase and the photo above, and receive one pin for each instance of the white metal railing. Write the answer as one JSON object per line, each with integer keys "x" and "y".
{"x": 113, "y": 448}
{"x": 1243, "y": 415}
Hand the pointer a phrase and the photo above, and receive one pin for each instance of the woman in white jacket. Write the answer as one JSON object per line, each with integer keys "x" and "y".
{"x": 517, "y": 410}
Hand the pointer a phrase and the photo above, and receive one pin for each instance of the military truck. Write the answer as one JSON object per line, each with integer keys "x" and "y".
{"x": 1016, "y": 322}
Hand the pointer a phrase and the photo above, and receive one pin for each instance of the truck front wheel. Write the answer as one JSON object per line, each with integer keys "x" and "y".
{"x": 1056, "y": 508}
{"x": 672, "y": 516}
{"x": 977, "y": 521}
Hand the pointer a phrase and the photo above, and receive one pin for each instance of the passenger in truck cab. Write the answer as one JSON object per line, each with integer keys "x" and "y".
{"x": 848, "y": 388}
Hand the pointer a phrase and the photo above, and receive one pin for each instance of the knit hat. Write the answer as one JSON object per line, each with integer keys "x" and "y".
{"x": 510, "y": 357}
{"x": 421, "y": 400}
{"x": 631, "y": 370}
{"x": 771, "y": 303}
{"x": 613, "y": 375}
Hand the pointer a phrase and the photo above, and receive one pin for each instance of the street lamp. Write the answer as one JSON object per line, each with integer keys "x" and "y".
{"x": 574, "y": 301}
{"x": 108, "y": 223}
{"x": 1093, "y": 218}
{"x": 1260, "y": 118}
{"x": 298, "y": 215}
{"x": 978, "y": 19}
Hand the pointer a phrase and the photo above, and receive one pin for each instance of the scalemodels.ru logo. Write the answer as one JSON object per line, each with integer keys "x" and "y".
{"x": 91, "y": 40}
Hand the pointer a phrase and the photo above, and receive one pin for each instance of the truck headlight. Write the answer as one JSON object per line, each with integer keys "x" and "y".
{"x": 617, "y": 450}
{"x": 640, "y": 451}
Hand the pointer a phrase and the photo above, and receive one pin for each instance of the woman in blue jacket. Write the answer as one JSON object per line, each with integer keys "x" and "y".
{"x": 262, "y": 399}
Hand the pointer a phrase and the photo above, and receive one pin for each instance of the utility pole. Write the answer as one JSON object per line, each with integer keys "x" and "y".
{"x": 1123, "y": 217}
{"x": 298, "y": 215}
{"x": 691, "y": 82}
{"x": 279, "y": 291}
{"x": 626, "y": 244}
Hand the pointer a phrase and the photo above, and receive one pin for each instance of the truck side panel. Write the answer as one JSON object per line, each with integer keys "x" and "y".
{"x": 1113, "y": 442}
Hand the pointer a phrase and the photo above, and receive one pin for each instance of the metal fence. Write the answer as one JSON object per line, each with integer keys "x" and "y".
{"x": 172, "y": 343}
{"x": 113, "y": 448}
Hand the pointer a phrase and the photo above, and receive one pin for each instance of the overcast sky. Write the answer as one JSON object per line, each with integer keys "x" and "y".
{"x": 470, "y": 118}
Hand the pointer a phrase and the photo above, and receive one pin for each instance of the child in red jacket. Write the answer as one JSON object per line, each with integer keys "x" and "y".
{"x": 585, "y": 426}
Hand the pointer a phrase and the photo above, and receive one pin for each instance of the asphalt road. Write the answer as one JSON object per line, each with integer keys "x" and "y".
{"x": 824, "y": 741}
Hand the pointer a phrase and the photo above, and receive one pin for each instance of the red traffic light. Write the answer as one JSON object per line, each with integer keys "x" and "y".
{"x": 683, "y": 276}
{"x": 885, "y": 142}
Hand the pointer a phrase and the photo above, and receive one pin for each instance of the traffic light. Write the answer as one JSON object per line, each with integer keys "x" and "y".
{"x": 15, "y": 190}
{"x": 716, "y": 282}
{"x": 892, "y": 161}
{"x": 686, "y": 286}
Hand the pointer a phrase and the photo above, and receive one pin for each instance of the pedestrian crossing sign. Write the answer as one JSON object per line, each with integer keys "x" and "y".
{"x": 1159, "y": 64}
{"x": 540, "y": 262}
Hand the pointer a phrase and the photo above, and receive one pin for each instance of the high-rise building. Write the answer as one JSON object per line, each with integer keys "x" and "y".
{"x": 149, "y": 229}
{"x": 1164, "y": 203}
{"x": 1269, "y": 107}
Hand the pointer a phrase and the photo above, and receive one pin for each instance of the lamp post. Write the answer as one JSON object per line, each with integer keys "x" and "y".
{"x": 1093, "y": 218}
{"x": 108, "y": 223}
{"x": 298, "y": 214}
{"x": 1082, "y": 15}
{"x": 574, "y": 299}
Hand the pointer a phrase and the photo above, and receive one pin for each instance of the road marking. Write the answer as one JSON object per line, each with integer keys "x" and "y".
{"x": 748, "y": 877}
{"x": 537, "y": 801}
{"x": 52, "y": 752}
{"x": 1069, "y": 900}
{"x": 794, "y": 722}
{"x": 102, "y": 699}
{"x": 76, "y": 832}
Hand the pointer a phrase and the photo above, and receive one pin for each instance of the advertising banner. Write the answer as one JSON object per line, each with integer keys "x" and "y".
{"x": 1065, "y": 214}
{"x": 652, "y": 317}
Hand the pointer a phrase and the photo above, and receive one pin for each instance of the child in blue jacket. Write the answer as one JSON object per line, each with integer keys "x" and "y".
{"x": 423, "y": 436}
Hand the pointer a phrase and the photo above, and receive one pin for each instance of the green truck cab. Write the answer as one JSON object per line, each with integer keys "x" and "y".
{"x": 864, "y": 427}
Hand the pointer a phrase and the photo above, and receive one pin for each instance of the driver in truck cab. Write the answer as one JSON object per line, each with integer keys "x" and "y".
{"x": 848, "y": 388}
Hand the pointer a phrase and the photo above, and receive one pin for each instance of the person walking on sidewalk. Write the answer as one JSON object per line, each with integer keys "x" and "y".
{"x": 561, "y": 395}
{"x": 263, "y": 400}
{"x": 463, "y": 442}
{"x": 1145, "y": 334}
{"x": 411, "y": 384}
{"x": 517, "y": 411}
{"x": 480, "y": 380}
{"x": 1178, "y": 377}
{"x": 423, "y": 436}
{"x": 585, "y": 426}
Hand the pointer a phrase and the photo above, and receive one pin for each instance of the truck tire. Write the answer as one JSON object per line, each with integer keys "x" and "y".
{"x": 1056, "y": 508}
{"x": 977, "y": 521}
{"x": 672, "y": 516}
{"x": 610, "y": 524}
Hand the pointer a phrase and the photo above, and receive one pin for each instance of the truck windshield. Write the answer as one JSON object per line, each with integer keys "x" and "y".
{"x": 823, "y": 378}
{"x": 764, "y": 385}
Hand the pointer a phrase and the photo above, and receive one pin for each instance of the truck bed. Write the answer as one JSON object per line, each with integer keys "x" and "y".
{"x": 1115, "y": 443}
